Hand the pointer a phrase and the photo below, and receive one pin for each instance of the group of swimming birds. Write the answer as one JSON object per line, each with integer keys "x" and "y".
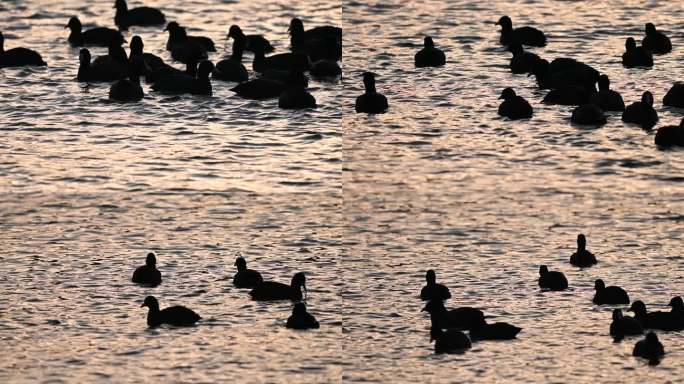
{"x": 570, "y": 82}
{"x": 447, "y": 325}
{"x": 149, "y": 276}
{"x": 281, "y": 76}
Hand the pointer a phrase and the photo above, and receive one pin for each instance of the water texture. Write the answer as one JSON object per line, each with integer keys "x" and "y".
{"x": 363, "y": 204}
{"x": 88, "y": 187}
{"x": 442, "y": 182}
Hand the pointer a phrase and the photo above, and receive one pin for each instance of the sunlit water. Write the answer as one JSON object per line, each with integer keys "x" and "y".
{"x": 87, "y": 188}
{"x": 442, "y": 182}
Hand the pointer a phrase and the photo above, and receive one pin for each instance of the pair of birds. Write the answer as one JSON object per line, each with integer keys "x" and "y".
{"x": 372, "y": 102}
{"x": 149, "y": 275}
{"x": 654, "y": 42}
{"x": 447, "y": 325}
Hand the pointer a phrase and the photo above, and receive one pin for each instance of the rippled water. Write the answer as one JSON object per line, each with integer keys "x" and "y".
{"x": 87, "y": 188}
{"x": 440, "y": 181}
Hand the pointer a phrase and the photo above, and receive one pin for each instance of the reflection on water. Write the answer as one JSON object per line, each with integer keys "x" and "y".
{"x": 440, "y": 181}
{"x": 87, "y": 188}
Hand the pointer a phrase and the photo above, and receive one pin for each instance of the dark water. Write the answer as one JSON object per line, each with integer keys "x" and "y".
{"x": 362, "y": 204}
{"x": 87, "y": 188}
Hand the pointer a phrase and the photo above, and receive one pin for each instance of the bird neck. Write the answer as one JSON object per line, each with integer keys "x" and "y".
{"x": 238, "y": 50}
{"x": 83, "y": 68}
{"x": 259, "y": 60}
{"x": 369, "y": 84}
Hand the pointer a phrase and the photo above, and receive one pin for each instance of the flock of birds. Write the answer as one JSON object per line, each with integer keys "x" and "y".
{"x": 149, "y": 276}
{"x": 316, "y": 51}
{"x": 569, "y": 81}
{"x": 447, "y": 325}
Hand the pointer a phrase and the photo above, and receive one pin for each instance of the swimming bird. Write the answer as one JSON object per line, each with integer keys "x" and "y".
{"x": 670, "y": 135}
{"x": 182, "y": 47}
{"x": 582, "y": 258}
{"x": 324, "y": 42}
{"x": 655, "y": 41}
{"x": 296, "y": 97}
{"x": 552, "y": 280}
{"x": 99, "y": 36}
{"x": 665, "y": 321}
{"x": 609, "y": 295}
{"x": 179, "y": 36}
{"x": 232, "y": 69}
{"x": 182, "y": 83}
{"x": 675, "y": 96}
{"x": 677, "y": 312}
{"x": 564, "y": 72}
{"x": 326, "y": 69}
{"x": 246, "y": 278}
{"x": 371, "y": 101}
{"x": 316, "y": 33}
{"x": 103, "y": 71}
{"x": 649, "y": 348}
{"x": 636, "y": 56}
{"x": 115, "y": 61}
{"x": 265, "y": 88}
{"x": 588, "y": 114}
{"x": 148, "y": 274}
{"x": 429, "y": 56}
{"x": 481, "y": 330}
{"x": 127, "y": 90}
{"x": 457, "y": 318}
{"x": 301, "y": 319}
{"x": 513, "y": 106}
{"x": 18, "y": 57}
{"x": 146, "y": 62}
{"x": 253, "y": 42}
{"x": 524, "y": 35}
{"x": 606, "y": 98}
{"x": 641, "y": 112}
{"x": 142, "y": 16}
{"x": 624, "y": 326}
{"x": 432, "y": 290}
{"x": 567, "y": 95}
{"x": 269, "y": 290}
{"x": 177, "y": 315}
{"x": 281, "y": 62}
{"x": 450, "y": 341}
{"x": 522, "y": 61}
{"x": 166, "y": 73}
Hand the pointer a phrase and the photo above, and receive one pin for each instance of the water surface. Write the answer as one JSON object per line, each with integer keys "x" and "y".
{"x": 442, "y": 182}
{"x": 87, "y": 188}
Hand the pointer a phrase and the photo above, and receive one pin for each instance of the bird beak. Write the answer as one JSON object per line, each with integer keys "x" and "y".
{"x": 501, "y": 97}
{"x": 497, "y": 23}
{"x": 424, "y": 309}
{"x": 143, "y": 305}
